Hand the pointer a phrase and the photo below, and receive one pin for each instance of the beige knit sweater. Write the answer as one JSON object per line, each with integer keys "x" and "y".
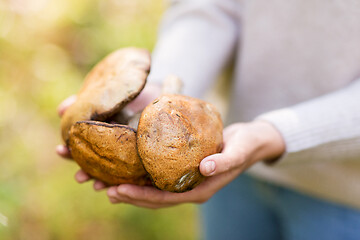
{"x": 297, "y": 66}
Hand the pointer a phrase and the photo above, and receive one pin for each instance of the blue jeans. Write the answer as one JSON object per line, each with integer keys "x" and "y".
{"x": 251, "y": 209}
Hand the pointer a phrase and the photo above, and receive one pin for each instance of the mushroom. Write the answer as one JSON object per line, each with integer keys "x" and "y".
{"x": 107, "y": 152}
{"x": 103, "y": 150}
{"x": 175, "y": 133}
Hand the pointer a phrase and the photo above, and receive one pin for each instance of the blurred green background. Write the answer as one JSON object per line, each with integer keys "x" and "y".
{"x": 46, "y": 48}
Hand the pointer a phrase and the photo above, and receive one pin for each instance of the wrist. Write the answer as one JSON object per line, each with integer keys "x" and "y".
{"x": 271, "y": 144}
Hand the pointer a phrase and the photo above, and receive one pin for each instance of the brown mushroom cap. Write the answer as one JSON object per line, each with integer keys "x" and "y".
{"x": 112, "y": 83}
{"x": 175, "y": 133}
{"x": 107, "y": 152}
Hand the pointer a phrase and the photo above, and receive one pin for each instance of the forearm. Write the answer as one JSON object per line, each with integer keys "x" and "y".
{"x": 196, "y": 40}
{"x": 323, "y": 129}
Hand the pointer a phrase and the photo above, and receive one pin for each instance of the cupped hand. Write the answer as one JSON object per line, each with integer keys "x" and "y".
{"x": 149, "y": 93}
{"x": 244, "y": 145}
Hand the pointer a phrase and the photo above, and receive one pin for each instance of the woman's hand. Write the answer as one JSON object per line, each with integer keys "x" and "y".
{"x": 244, "y": 145}
{"x": 149, "y": 93}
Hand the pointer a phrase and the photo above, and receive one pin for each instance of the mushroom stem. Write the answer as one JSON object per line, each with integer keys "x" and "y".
{"x": 134, "y": 121}
{"x": 172, "y": 85}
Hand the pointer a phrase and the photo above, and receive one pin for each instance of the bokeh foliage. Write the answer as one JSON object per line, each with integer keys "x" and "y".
{"x": 46, "y": 48}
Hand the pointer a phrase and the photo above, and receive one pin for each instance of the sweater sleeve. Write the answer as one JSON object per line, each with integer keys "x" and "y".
{"x": 323, "y": 129}
{"x": 196, "y": 39}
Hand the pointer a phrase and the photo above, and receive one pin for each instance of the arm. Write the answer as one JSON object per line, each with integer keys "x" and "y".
{"x": 197, "y": 38}
{"x": 323, "y": 129}
{"x": 244, "y": 145}
{"x": 334, "y": 124}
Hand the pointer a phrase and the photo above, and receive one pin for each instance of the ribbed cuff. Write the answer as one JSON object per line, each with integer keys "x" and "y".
{"x": 287, "y": 123}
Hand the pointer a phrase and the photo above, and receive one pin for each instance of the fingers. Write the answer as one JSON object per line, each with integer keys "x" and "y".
{"x": 144, "y": 193}
{"x": 144, "y": 196}
{"x": 99, "y": 185}
{"x": 234, "y": 154}
{"x": 82, "y": 176}
{"x": 63, "y": 151}
{"x": 222, "y": 162}
{"x": 208, "y": 167}
{"x": 115, "y": 197}
{"x": 65, "y": 104}
{"x": 150, "y": 197}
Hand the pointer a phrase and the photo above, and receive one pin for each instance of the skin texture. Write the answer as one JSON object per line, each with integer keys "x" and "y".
{"x": 175, "y": 133}
{"x": 107, "y": 152}
{"x": 244, "y": 145}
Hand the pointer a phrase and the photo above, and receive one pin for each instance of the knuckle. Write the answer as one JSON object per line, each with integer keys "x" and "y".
{"x": 242, "y": 156}
{"x": 156, "y": 197}
{"x": 238, "y": 157}
{"x": 161, "y": 198}
{"x": 147, "y": 194}
{"x": 228, "y": 163}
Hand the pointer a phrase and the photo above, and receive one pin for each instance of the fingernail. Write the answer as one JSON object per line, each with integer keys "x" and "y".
{"x": 209, "y": 167}
{"x": 122, "y": 189}
{"x": 112, "y": 192}
{"x": 82, "y": 178}
{"x": 60, "y": 148}
{"x": 98, "y": 185}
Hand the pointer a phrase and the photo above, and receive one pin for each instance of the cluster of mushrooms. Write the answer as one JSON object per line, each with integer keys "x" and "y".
{"x": 164, "y": 147}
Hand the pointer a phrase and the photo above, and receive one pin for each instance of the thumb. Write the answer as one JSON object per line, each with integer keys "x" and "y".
{"x": 219, "y": 163}
{"x": 66, "y": 104}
